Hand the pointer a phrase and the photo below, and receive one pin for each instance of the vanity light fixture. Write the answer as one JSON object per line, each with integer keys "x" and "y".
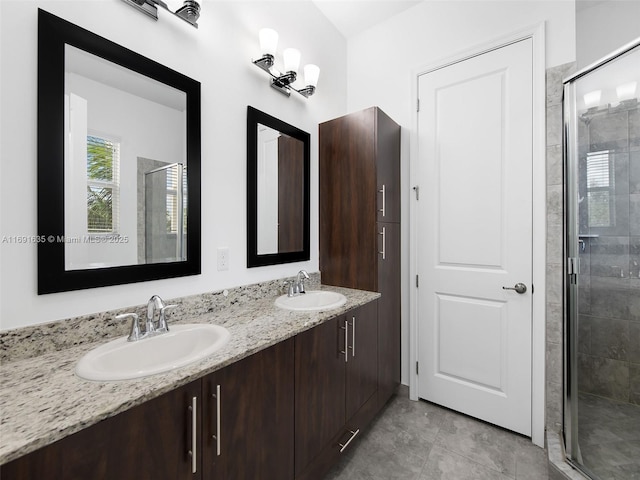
{"x": 189, "y": 12}
{"x": 626, "y": 91}
{"x": 283, "y": 81}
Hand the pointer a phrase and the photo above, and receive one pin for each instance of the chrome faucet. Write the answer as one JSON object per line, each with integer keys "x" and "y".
{"x": 161, "y": 326}
{"x": 154, "y": 303}
{"x": 299, "y": 286}
{"x": 152, "y": 327}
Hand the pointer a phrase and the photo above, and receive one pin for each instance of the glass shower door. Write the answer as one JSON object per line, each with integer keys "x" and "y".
{"x": 165, "y": 214}
{"x": 602, "y": 331}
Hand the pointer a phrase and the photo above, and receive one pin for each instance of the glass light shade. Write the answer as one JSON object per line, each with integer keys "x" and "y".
{"x": 592, "y": 99}
{"x": 291, "y": 59}
{"x": 311, "y": 74}
{"x": 626, "y": 91}
{"x": 268, "y": 41}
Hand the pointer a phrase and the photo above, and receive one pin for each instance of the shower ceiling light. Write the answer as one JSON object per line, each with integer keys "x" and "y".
{"x": 189, "y": 12}
{"x": 283, "y": 81}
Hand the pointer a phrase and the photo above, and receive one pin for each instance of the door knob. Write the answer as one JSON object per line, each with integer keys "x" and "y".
{"x": 518, "y": 287}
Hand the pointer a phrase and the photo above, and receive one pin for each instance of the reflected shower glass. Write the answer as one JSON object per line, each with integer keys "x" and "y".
{"x": 165, "y": 214}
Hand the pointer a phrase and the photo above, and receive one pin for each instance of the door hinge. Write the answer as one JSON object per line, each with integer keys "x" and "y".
{"x": 417, "y": 281}
{"x": 418, "y": 105}
{"x": 417, "y": 368}
{"x": 573, "y": 266}
{"x": 417, "y": 190}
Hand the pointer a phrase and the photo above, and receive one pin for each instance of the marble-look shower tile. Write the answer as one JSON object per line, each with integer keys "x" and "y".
{"x": 553, "y": 362}
{"x": 554, "y": 125}
{"x": 634, "y": 214}
{"x": 446, "y": 465}
{"x": 554, "y": 323}
{"x": 553, "y": 403}
{"x": 609, "y": 302}
{"x": 555, "y": 205}
{"x": 634, "y": 171}
{"x": 633, "y": 302}
{"x": 584, "y": 334}
{"x": 554, "y": 165}
{"x": 634, "y": 342}
{"x": 609, "y": 338}
{"x": 585, "y": 373}
{"x": 609, "y": 378}
{"x": 634, "y": 383}
{"x": 554, "y": 244}
{"x": 554, "y": 86}
{"x": 609, "y": 132}
{"x": 634, "y": 128}
{"x": 554, "y": 284}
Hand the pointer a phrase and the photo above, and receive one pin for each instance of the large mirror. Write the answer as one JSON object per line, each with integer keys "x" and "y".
{"x": 118, "y": 163}
{"x": 278, "y": 159}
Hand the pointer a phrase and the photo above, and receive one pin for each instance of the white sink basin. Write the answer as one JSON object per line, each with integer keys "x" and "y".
{"x": 314, "y": 300}
{"x": 124, "y": 360}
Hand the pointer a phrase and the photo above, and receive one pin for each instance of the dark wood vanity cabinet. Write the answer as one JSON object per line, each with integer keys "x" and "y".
{"x": 248, "y": 415}
{"x": 150, "y": 441}
{"x": 335, "y": 388}
{"x": 360, "y": 221}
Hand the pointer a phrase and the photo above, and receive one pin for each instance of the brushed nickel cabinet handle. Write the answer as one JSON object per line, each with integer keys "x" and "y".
{"x": 353, "y": 336}
{"x": 384, "y": 241}
{"x": 345, "y": 352}
{"x": 216, "y": 437}
{"x": 384, "y": 200}
{"x": 194, "y": 434}
{"x": 345, "y": 445}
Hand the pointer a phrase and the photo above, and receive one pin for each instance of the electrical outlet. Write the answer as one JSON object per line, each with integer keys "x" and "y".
{"x": 223, "y": 259}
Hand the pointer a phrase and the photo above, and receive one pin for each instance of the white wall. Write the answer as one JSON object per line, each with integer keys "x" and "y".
{"x": 603, "y": 26}
{"x": 218, "y": 55}
{"x": 383, "y": 61}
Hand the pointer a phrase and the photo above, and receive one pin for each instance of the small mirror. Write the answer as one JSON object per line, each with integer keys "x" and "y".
{"x": 118, "y": 163}
{"x": 278, "y": 160}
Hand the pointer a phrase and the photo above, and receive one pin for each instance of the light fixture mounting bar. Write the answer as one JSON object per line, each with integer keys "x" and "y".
{"x": 189, "y": 12}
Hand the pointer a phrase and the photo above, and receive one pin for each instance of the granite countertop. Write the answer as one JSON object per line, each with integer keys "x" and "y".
{"x": 42, "y": 400}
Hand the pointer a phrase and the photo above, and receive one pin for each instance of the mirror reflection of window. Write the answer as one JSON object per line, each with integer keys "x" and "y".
{"x": 103, "y": 185}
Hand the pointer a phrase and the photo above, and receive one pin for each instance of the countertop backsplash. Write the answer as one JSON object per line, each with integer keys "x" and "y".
{"x": 36, "y": 340}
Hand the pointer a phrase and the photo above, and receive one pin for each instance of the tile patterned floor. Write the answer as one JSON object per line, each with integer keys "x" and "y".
{"x": 609, "y": 437}
{"x": 422, "y": 441}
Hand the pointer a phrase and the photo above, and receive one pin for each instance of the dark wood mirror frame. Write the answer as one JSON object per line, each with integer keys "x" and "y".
{"x": 254, "y": 259}
{"x": 53, "y": 34}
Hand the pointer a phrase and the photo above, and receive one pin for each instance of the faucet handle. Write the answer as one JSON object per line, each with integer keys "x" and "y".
{"x": 134, "y": 334}
{"x": 162, "y": 321}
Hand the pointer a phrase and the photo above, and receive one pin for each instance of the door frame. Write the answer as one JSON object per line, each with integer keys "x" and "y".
{"x": 537, "y": 34}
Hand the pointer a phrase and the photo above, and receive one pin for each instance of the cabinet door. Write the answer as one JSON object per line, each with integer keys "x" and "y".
{"x": 348, "y": 201}
{"x": 151, "y": 441}
{"x": 389, "y": 313}
{"x": 254, "y": 428}
{"x": 319, "y": 389}
{"x": 388, "y": 168}
{"x": 362, "y": 360}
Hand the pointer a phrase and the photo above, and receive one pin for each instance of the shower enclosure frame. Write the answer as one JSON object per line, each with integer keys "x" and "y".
{"x": 571, "y": 255}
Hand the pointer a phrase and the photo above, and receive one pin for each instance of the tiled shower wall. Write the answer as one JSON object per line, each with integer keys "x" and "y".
{"x": 555, "y": 219}
{"x": 609, "y": 296}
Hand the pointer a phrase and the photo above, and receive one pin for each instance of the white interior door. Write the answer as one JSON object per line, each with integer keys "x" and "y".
{"x": 475, "y": 236}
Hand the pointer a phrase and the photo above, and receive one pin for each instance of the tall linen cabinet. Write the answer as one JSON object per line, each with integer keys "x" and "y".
{"x": 360, "y": 222}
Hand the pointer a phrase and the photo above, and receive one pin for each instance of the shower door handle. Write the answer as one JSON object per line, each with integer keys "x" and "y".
{"x": 518, "y": 287}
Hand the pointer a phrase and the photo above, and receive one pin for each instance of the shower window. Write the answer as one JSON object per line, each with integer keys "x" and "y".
{"x": 600, "y": 189}
{"x": 103, "y": 185}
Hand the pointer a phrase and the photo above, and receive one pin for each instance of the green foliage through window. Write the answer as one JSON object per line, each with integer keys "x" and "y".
{"x": 102, "y": 185}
